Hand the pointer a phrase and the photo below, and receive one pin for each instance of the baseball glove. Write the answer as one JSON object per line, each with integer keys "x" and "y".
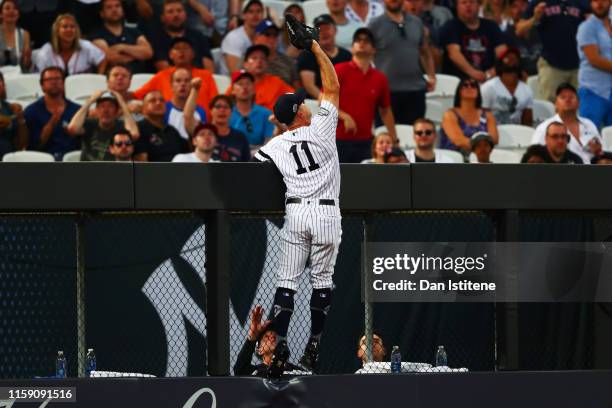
{"x": 300, "y": 35}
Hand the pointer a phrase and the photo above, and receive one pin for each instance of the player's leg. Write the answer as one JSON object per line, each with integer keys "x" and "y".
{"x": 295, "y": 249}
{"x": 324, "y": 251}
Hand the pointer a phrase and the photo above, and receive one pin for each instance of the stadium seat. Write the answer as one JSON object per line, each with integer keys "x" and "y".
{"x": 313, "y": 104}
{"x": 453, "y": 155}
{"x": 434, "y": 110}
{"x": 501, "y": 156}
{"x": 24, "y": 88}
{"x": 139, "y": 80}
{"x": 404, "y": 134}
{"x": 223, "y": 82}
{"x": 217, "y": 58}
{"x": 445, "y": 86}
{"x": 532, "y": 82}
{"x": 27, "y": 156}
{"x": 313, "y": 9}
{"x": 606, "y": 134}
{"x": 80, "y": 87}
{"x": 73, "y": 156}
{"x": 277, "y": 5}
{"x": 514, "y": 136}
{"x": 542, "y": 110}
{"x": 9, "y": 71}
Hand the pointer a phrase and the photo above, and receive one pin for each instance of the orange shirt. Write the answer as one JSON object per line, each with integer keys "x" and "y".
{"x": 267, "y": 90}
{"x": 161, "y": 82}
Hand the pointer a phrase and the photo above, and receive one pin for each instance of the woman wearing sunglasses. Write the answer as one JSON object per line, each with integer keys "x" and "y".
{"x": 466, "y": 118}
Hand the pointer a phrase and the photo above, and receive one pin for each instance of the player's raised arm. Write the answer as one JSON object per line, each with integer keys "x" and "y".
{"x": 329, "y": 79}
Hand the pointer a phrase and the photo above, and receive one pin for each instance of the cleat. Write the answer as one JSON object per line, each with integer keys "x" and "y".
{"x": 311, "y": 355}
{"x": 279, "y": 361}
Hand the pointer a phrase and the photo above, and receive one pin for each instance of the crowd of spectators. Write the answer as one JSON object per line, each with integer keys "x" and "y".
{"x": 387, "y": 54}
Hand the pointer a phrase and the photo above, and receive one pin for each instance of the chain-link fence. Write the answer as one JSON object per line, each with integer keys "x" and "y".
{"x": 144, "y": 304}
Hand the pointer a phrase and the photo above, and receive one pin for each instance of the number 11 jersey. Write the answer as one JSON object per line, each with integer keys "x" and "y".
{"x": 307, "y": 157}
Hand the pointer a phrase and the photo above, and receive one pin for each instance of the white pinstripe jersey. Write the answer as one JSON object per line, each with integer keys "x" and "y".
{"x": 307, "y": 157}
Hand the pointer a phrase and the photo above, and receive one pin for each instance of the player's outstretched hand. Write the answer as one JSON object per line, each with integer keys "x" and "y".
{"x": 300, "y": 35}
{"x": 257, "y": 327}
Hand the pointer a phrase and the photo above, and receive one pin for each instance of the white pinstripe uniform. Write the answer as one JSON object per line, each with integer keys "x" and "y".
{"x": 307, "y": 158}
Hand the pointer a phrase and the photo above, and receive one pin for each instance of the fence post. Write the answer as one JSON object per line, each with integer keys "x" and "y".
{"x": 506, "y": 314}
{"x": 80, "y": 295}
{"x": 217, "y": 291}
{"x": 367, "y": 304}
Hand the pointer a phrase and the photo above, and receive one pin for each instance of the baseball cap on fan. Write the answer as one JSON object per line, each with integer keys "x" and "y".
{"x": 107, "y": 96}
{"x": 249, "y": 3}
{"x": 287, "y": 105}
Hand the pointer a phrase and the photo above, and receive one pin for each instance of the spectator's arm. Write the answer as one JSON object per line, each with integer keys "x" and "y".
{"x": 308, "y": 80}
{"x": 454, "y": 132}
{"x": 47, "y": 130}
{"x": 527, "y": 117}
{"x": 591, "y": 52}
{"x": 144, "y": 9}
{"x": 26, "y": 59}
{"x": 190, "y": 105}
{"x": 141, "y": 157}
{"x": 386, "y": 115}
{"x": 524, "y": 26}
{"x": 140, "y": 51}
{"x": 21, "y": 136}
{"x": 492, "y": 127}
{"x": 128, "y": 119}
{"x": 455, "y": 55}
{"x": 102, "y": 66}
{"x": 75, "y": 127}
{"x": 205, "y": 14}
{"x": 427, "y": 62}
{"x": 112, "y": 54}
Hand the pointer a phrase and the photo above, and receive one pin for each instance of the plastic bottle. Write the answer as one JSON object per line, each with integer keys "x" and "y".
{"x": 90, "y": 363}
{"x": 60, "y": 365}
{"x": 396, "y": 360}
{"x": 441, "y": 357}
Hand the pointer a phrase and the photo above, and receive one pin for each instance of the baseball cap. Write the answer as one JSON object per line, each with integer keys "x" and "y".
{"x": 236, "y": 76}
{"x": 478, "y": 136}
{"x": 287, "y": 105}
{"x": 324, "y": 19}
{"x": 249, "y": 3}
{"x": 366, "y": 31}
{"x": 178, "y": 40}
{"x": 107, "y": 96}
{"x": 264, "y": 25}
{"x": 203, "y": 126}
{"x": 258, "y": 47}
{"x": 565, "y": 86}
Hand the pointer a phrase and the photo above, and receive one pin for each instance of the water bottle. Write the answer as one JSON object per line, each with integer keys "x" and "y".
{"x": 60, "y": 365}
{"x": 90, "y": 363}
{"x": 441, "y": 357}
{"x": 396, "y": 360}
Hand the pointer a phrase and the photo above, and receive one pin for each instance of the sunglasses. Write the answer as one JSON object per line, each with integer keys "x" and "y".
{"x": 469, "y": 84}
{"x": 249, "y": 124}
{"x": 121, "y": 144}
{"x": 513, "y": 104}
{"x": 402, "y": 32}
{"x": 427, "y": 132}
{"x": 559, "y": 136}
{"x": 270, "y": 34}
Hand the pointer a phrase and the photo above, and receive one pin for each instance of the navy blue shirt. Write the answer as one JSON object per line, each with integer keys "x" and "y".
{"x": 557, "y": 30}
{"x": 37, "y": 116}
{"x": 477, "y": 46}
{"x": 128, "y": 36}
{"x": 160, "y": 41}
{"x": 233, "y": 147}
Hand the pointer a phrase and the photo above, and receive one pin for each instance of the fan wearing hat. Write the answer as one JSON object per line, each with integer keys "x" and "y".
{"x": 97, "y": 133}
{"x": 173, "y": 25}
{"x": 482, "y": 145}
{"x": 280, "y": 65}
{"x": 181, "y": 54}
{"x": 585, "y": 140}
{"x": 248, "y": 117}
{"x": 204, "y": 140}
{"x": 309, "y": 71}
{"x": 236, "y": 42}
{"x": 557, "y": 140}
{"x": 268, "y": 88}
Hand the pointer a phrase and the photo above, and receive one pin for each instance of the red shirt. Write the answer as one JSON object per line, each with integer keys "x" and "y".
{"x": 360, "y": 96}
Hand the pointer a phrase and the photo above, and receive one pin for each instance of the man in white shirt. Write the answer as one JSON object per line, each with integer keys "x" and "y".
{"x": 204, "y": 141}
{"x": 237, "y": 41}
{"x": 345, "y": 27}
{"x": 176, "y": 108}
{"x": 585, "y": 140}
{"x": 424, "y": 135}
{"x": 509, "y": 98}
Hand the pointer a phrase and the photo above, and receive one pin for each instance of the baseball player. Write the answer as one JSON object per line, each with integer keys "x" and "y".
{"x": 307, "y": 157}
